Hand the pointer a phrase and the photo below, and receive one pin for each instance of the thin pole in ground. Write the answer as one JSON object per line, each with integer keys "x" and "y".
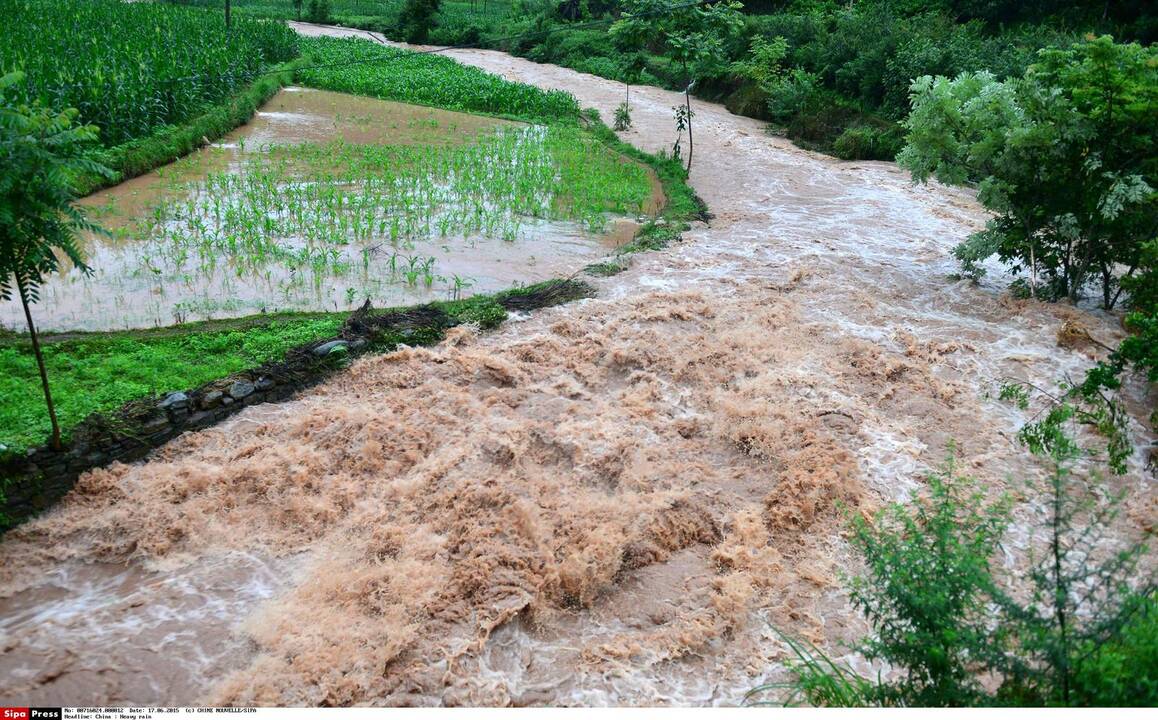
{"x": 23, "y": 292}
{"x": 688, "y": 105}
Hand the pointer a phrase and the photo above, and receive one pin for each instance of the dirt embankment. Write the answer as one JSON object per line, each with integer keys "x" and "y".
{"x": 607, "y": 503}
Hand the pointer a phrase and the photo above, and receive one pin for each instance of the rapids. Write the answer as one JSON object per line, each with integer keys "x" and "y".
{"x": 609, "y": 502}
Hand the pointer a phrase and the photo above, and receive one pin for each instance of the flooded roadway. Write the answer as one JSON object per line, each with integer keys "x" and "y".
{"x": 609, "y": 502}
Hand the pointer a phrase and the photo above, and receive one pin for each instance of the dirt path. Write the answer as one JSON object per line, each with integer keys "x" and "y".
{"x": 605, "y": 503}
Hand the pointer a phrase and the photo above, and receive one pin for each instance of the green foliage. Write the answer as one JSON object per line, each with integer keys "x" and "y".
{"x": 622, "y": 117}
{"x": 1110, "y": 670}
{"x": 171, "y": 142}
{"x": 1066, "y": 156}
{"x": 365, "y": 68}
{"x": 764, "y": 62}
{"x": 695, "y": 38}
{"x": 818, "y": 681}
{"x": 133, "y": 67}
{"x": 683, "y": 115}
{"x": 318, "y": 11}
{"x": 41, "y": 151}
{"x": 1138, "y": 353}
{"x": 868, "y": 143}
{"x": 605, "y": 269}
{"x": 846, "y": 64}
{"x": 929, "y": 575}
{"x": 958, "y": 631}
{"x": 417, "y": 18}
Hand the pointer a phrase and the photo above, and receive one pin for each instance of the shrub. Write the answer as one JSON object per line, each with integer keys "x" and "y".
{"x": 868, "y": 143}
{"x": 622, "y": 117}
{"x": 417, "y": 19}
{"x": 318, "y": 11}
{"x": 952, "y": 626}
{"x": 929, "y": 576}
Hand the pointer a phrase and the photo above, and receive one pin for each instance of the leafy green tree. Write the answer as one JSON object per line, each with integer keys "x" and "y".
{"x": 695, "y": 38}
{"x": 318, "y": 11}
{"x": 417, "y": 19}
{"x": 41, "y": 151}
{"x": 1066, "y": 156}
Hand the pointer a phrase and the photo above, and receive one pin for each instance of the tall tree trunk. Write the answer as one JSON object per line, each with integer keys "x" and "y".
{"x": 39, "y": 364}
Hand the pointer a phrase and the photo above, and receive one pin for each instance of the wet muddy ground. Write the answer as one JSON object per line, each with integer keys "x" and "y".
{"x": 611, "y": 502}
{"x": 156, "y": 266}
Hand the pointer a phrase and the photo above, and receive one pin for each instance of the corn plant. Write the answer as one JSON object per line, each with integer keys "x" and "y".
{"x": 132, "y": 67}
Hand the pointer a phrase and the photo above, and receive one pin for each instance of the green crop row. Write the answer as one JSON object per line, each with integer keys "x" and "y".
{"x": 130, "y": 68}
{"x": 365, "y": 68}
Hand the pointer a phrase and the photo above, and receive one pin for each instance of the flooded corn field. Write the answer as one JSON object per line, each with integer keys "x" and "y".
{"x": 326, "y": 200}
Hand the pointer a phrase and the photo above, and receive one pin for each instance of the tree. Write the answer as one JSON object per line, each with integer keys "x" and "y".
{"x": 694, "y": 37}
{"x": 41, "y": 151}
{"x": 417, "y": 19}
{"x": 318, "y": 11}
{"x": 1066, "y": 156}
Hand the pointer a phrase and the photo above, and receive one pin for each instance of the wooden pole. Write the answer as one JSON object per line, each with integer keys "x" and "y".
{"x": 39, "y": 364}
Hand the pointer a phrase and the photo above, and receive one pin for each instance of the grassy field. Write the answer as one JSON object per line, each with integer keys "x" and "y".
{"x": 101, "y": 371}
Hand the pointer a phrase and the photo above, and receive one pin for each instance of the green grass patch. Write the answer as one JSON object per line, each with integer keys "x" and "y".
{"x": 682, "y": 201}
{"x": 99, "y": 372}
{"x": 607, "y": 268}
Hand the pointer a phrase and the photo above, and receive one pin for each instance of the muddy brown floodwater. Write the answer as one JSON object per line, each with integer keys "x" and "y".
{"x": 607, "y": 503}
